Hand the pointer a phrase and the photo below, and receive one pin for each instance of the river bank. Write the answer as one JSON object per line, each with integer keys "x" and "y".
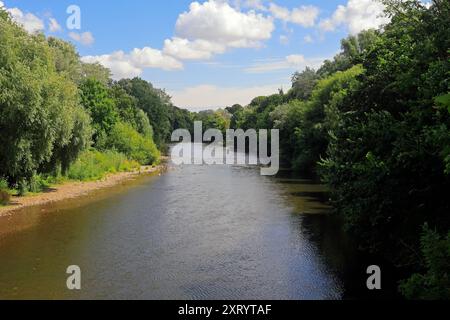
{"x": 75, "y": 189}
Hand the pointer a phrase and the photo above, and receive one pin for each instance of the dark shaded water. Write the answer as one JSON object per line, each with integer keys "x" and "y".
{"x": 195, "y": 232}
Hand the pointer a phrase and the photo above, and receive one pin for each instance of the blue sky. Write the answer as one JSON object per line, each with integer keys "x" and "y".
{"x": 207, "y": 54}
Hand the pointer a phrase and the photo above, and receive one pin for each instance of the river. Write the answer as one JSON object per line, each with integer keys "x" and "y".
{"x": 194, "y": 232}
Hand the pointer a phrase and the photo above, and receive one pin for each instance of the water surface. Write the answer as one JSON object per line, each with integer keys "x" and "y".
{"x": 195, "y": 232}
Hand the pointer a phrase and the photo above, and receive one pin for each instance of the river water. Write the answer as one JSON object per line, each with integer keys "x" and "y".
{"x": 194, "y": 232}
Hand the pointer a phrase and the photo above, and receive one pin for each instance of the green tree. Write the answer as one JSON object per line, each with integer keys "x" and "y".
{"x": 155, "y": 103}
{"x": 386, "y": 162}
{"x": 39, "y": 108}
{"x": 97, "y": 100}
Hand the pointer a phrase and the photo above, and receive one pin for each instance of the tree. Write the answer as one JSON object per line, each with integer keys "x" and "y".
{"x": 97, "y": 100}
{"x": 155, "y": 103}
{"x": 39, "y": 109}
{"x": 303, "y": 84}
{"x": 386, "y": 164}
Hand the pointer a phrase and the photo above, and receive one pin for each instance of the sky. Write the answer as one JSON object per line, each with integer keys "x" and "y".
{"x": 205, "y": 54}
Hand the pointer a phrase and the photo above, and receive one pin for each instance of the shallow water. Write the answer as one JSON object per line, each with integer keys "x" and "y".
{"x": 195, "y": 232}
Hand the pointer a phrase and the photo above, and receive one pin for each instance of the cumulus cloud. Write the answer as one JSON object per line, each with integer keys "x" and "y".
{"x": 294, "y": 61}
{"x": 85, "y": 38}
{"x": 118, "y": 62}
{"x": 213, "y": 27}
{"x": 356, "y": 16}
{"x": 152, "y": 58}
{"x": 29, "y": 21}
{"x": 218, "y": 21}
{"x": 305, "y": 16}
{"x": 53, "y": 25}
{"x": 209, "y": 96}
{"x": 185, "y": 49}
{"x": 131, "y": 65}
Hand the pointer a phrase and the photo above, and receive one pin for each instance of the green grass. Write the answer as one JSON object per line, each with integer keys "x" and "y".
{"x": 94, "y": 165}
{"x": 90, "y": 166}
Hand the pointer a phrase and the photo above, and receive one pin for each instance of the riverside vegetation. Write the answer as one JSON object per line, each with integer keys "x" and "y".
{"x": 373, "y": 124}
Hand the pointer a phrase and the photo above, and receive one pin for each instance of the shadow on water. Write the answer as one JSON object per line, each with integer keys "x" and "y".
{"x": 337, "y": 248}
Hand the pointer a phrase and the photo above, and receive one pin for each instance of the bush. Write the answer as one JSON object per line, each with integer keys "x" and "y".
{"x": 125, "y": 139}
{"x": 4, "y": 193}
{"x": 434, "y": 284}
{"x": 37, "y": 184}
{"x": 4, "y": 197}
{"x": 93, "y": 165}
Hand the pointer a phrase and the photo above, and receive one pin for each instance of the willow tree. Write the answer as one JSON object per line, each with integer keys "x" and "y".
{"x": 39, "y": 109}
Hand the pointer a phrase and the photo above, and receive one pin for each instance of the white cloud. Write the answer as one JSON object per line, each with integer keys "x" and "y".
{"x": 118, "y": 62}
{"x": 192, "y": 50}
{"x": 357, "y": 15}
{"x": 53, "y": 25}
{"x": 305, "y": 16}
{"x": 152, "y": 58}
{"x": 214, "y": 26}
{"x": 2, "y": 4}
{"x": 218, "y": 22}
{"x": 208, "y": 96}
{"x": 281, "y": 13}
{"x": 29, "y": 21}
{"x": 294, "y": 61}
{"x": 85, "y": 38}
{"x": 131, "y": 65}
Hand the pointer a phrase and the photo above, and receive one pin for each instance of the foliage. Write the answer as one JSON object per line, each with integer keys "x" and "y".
{"x": 4, "y": 192}
{"x": 38, "y": 106}
{"x": 219, "y": 119}
{"x": 155, "y": 103}
{"x": 303, "y": 84}
{"x": 97, "y": 100}
{"x": 376, "y": 118}
{"x": 434, "y": 284}
{"x": 94, "y": 165}
{"x": 128, "y": 141}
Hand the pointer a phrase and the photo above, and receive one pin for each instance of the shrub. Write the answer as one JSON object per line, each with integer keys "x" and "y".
{"x": 125, "y": 139}
{"x": 4, "y": 197}
{"x": 4, "y": 193}
{"x": 434, "y": 283}
{"x": 93, "y": 165}
{"x": 38, "y": 184}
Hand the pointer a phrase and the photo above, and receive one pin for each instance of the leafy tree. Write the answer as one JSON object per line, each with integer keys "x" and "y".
{"x": 353, "y": 49}
{"x": 39, "y": 107}
{"x": 95, "y": 71}
{"x": 387, "y": 161}
{"x": 303, "y": 84}
{"x": 96, "y": 98}
{"x": 155, "y": 103}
